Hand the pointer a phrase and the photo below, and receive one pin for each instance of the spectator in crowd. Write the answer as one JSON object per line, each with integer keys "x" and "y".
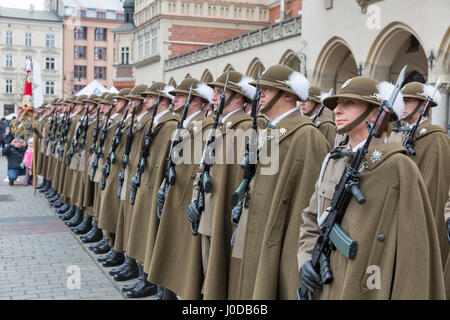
{"x": 14, "y": 153}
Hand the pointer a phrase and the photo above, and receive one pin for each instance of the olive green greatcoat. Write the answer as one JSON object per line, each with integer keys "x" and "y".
{"x": 144, "y": 221}
{"x": 109, "y": 201}
{"x": 39, "y": 146}
{"x": 126, "y": 209}
{"x": 268, "y": 268}
{"x": 447, "y": 265}
{"x": 327, "y": 128}
{"x": 432, "y": 147}
{"x": 176, "y": 262}
{"x": 394, "y": 229}
{"x": 215, "y": 222}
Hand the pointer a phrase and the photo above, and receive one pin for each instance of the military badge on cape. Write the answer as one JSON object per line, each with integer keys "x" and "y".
{"x": 375, "y": 156}
{"x": 422, "y": 131}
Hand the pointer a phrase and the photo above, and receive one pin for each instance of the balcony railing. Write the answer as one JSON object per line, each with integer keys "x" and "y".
{"x": 274, "y": 32}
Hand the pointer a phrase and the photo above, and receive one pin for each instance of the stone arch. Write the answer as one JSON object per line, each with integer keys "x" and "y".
{"x": 290, "y": 58}
{"x": 253, "y": 68}
{"x": 206, "y": 76}
{"x": 443, "y": 55}
{"x": 395, "y": 46}
{"x": 172, "y": 82}
{"x": 334, "y": 65}
{"x": 228, "y": 67}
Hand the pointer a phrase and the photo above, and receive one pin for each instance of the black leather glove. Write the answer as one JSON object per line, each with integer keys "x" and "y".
{"x": 160, "y": 199}
{"x": 309, "y": 277}
{"x": 447, "y": 223}
{"x": 193, "y": 215}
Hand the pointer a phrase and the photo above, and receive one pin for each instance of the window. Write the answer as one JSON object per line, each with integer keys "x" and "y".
{"x": 80, "y": 32}
{"x": 82, "y": 13}
{"x": 50, "y": 87}
{"x": 111, "y": 14}
{"x": 99, "y": 72}
{"x": 9, "y": 37}
{"x": 79, "y": 72}
{"x": 125, "y": 54}
{"x": 8, "y": 109}
{"x": 147, "y": 43}
{"x": 49, "y": 63}
{"x": 100, "y": 34}
{"x": 80, "y": 52}
{"x": 100, "y": 53}
{"x": 91, "y": 13}
{"x": 120, "y": 16}
{"x": 28, "y": 39}
{"x": 9, "y": 61}
{"x": 29, "y": 58}
{"x": 50, "y": 40}
{"x": 155, "y": 34}
{"x": 8, "y": 86}
{"x": 101, "y": 15}
{"x": 141, "y": 46}
{"x": 78, "y": 87}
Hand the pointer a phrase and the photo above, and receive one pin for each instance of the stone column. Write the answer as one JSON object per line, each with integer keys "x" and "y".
{"x": 440, "y": 115}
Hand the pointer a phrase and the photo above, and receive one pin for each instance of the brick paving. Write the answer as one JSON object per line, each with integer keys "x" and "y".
{"x": 40, "y": 257}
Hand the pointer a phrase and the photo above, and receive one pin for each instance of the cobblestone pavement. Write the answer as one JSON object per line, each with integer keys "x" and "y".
{"x": 40, "y": 257}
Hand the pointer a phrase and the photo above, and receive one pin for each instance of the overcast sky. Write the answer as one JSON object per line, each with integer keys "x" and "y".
{"x": 23, "y": 4}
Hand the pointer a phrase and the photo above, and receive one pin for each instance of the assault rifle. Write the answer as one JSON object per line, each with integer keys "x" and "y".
{"x": 410, "y": 139}
{"x": 111, "y": 155}
{"x": 204, "y": 183}
{"x": 126, "y": 156}
{"x": 170, "y": 175}
{"x": 95, "y": 132}
{"x": 248, "y": 164}
{"x": 144, "y": 152}
{"x": 320, "y": 110}
{"x": 99, "y": 150}
{"x": 332, "y": 235}
{"x": 54, "y": 114}
{"x": 75, "y": 141}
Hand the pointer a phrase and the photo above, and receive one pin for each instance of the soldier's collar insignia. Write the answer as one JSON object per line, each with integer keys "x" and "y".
{"x": 375, "y": 156}
{"x": 283, "y": 131}
{"x": 229, "y": 124}
{"x": 422, "y": 131}
{"x": 346, "y": 83}
{"x": 195, "y": 129}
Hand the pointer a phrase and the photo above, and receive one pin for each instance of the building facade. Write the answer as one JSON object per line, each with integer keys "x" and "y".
{"x": 32, "y": 34}
{"x": 89, "y": 42}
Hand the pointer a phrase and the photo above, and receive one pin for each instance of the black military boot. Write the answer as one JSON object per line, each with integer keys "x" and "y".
{"x": 131, "y": 271}
{"x": 58, "y": 204}
{"x": 159, "y": 294}
{"x": 46, "y": 187}
{"x": 68, "y": 214}
{"x": 122, "y": 267}
{"x": 51, "y": 193}
{"x": 63, "y": 209}
{"x": 106, "y": 256}
{"x": 169, "y": 295}
{"x": 84, "y": 226}
{"x": 42, "y": 184}
{"x": 142, "y": 289}
{"x": 116, "y": 259}
{"x": 141, "y": 278}
{"x": 50, "y": 190}
{"x": 101, "y": 247}
{"x": 53, "y": 199}
{"x": 100, "y": 243}
{"x": 94, "y": 235}
{"x": 76, "y": 219}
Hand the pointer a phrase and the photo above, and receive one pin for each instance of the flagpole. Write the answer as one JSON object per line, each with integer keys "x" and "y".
{"x": 34, "y": 154}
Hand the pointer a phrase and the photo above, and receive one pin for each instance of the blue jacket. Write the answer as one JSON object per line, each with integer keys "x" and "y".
{"x": 14, "y": 156}
{"x": 2, "y": 130}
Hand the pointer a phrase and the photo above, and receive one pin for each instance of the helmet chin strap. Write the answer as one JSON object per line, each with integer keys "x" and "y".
{"x": 410, "y": 116}
{"x": 272, "y": 102}
{"x": 355, "y": 123}
{"x": 311, "y": 112}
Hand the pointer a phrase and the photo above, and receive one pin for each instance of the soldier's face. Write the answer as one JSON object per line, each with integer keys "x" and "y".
{"x": 118, "y": 104}
{"x": 410, "y": 105}
{"x": 179, "y": 100}
{"x": 217, "y": 93}
{"x": 307, "y": 106}
{"x": 348, "y": 110}
{"x": 267, "y": 94}
{"x": 149, "y": 101}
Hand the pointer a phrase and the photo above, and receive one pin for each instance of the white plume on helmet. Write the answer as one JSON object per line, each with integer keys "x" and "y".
{"x": 166, "y": 90}
{"x": 299, "y": 84}
{"x": 385, "y": 90}
{"x": 205, "y": 91}
{"x": 428, "y": 91}
{"x": 324, "y": 95}
{"x": 246, "y": 88}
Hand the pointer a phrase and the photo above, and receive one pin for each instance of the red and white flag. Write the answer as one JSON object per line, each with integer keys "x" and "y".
{"x": 27, "y": 100}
